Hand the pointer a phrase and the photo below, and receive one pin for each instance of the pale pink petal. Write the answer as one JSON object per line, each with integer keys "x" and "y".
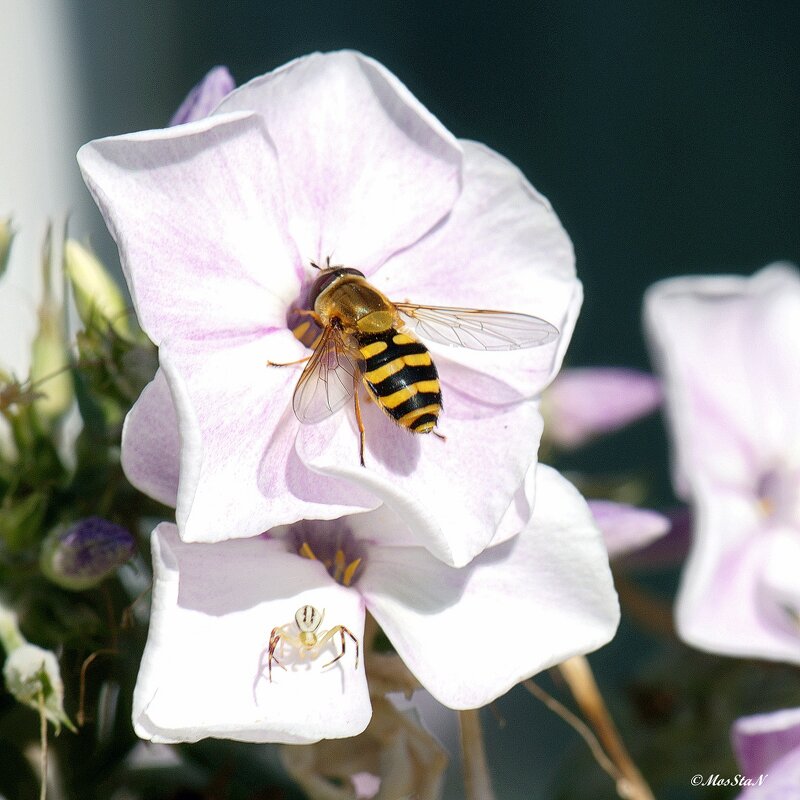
{"x": 762, "y": 739}
{"x": 502, "y": 248}
{"x": 728, "y": 348}
{"x": 204, "y": 669}
{"x": 772, "y": 354}
{"x": 205, "y": 97}
{"x": 626, "y": 528}
{"x": 452, "y": 494}
{"x": 197, "y": 214}
{"x": 150, "y": 443}
{"x": 366, "y": 169}
{"x": 584, "y": 403}
{"x": 667, "y": 551}
{"x": 365, "y": 785}
{"x": 713, "y": 338}
{"x": 471, "y": 634}
{"x": 780, "y": 783}
{"x": 239, "y": 473}
{"x": 723, "y": 604}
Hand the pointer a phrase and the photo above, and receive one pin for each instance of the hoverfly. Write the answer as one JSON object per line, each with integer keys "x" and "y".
{"x": 366, "y": 337}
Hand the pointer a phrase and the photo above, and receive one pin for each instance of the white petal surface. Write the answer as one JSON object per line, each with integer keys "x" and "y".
{"x": 151, "y": 444}
{"x": 239, "y": 473}
{"x": 471, "y": 634}
{"x": 366, "y": 169}
{"x": 502, "y": 248}
{"x": 626, "y": 528}
{"x": 197, "y": 214}
{"x": 204, "y": 667}
{"x": 452, "y": 494}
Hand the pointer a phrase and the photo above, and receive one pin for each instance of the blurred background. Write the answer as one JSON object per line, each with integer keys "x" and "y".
{"x": 664, "y": 134}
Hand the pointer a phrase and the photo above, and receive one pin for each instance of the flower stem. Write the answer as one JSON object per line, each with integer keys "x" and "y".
{"x": 578, "y": 675}
{"x": 476, "y": 771}
{"x": 43, "y": 746}
{"x": 579, "y": 726}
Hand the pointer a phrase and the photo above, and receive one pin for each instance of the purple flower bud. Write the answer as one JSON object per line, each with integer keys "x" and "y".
{"x": 81, "y": 555}
{"x": 205, "y": 97}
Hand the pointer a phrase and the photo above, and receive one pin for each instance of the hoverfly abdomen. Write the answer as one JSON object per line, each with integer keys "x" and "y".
{"x": 402, "y": 379}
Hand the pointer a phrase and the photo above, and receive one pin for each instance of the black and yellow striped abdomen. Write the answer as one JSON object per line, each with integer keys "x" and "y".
{"x": 401, "y": 377}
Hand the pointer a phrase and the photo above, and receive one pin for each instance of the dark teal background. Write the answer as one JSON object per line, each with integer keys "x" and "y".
{"x": 664, "y": 134}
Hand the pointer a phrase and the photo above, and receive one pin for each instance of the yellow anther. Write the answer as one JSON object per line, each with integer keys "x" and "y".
{"x": 339, "y": 563}
{"x": 307, "y": 552}
{"x": 350, "y": 572}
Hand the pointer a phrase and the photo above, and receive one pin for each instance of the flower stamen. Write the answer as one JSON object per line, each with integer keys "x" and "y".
{"x": 340, "y": 554}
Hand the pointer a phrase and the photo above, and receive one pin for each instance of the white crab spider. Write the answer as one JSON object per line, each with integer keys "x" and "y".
{"x": 310, "y": 641}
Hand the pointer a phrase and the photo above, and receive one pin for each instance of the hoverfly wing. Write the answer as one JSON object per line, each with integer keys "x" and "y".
{"x": 477, "y": 329}
{"x": 328, "y": 381}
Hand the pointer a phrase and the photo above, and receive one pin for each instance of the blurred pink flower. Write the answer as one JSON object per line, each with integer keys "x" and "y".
{"x": 217, "y": 221}
{"x": 587, "y": 402}
{"x": 205, "y": 97}
{"x": 626, "y": 528}
{"x": 468, "y": 634}
{"x": 767, "y": 747}
{"x": 729, "y": 351}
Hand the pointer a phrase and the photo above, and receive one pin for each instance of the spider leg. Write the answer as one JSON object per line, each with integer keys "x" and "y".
{"x": 279, "y": 636}
{"x": 341, "y": 630}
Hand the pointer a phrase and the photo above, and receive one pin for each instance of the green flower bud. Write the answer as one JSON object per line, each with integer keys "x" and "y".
{"x": 6, "y": 235}
{"x": 49, "y": 366}
{"x": 97, "y": 296}
{"x": 31, "y": 673}
{"x": 50, "y": 359}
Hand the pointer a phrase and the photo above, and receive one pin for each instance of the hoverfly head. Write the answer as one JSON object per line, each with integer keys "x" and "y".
{"x": 327, "y": 276}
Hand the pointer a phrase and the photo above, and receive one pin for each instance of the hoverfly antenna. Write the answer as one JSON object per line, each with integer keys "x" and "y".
{"x": 314, "y": 264}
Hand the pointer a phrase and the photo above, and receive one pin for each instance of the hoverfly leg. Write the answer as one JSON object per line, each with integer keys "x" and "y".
{"x": 307, "y": 312}
{"x": 439, "y": 435}
{"x": 288, "y": 363}
{"x": 361, "y": 432}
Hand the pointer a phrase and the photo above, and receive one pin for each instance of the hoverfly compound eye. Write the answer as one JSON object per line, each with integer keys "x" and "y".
{"x": 326, "y": 278}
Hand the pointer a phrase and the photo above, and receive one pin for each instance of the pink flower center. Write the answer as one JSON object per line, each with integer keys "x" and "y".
{"x": 778, "y": 494}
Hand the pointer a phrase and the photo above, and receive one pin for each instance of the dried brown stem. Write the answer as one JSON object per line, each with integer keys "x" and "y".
{"x": 477, "y": 783}
{"x": 578, "y": 675}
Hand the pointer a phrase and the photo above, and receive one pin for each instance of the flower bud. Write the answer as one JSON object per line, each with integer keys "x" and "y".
{"x": 205, "y": 97}
{"x": 49, "y": 362}
{"x": 49, "y": 357}
{"x": 97, "y": 296}
{"x": 31, "y": 673}
{"x": 81, "y": 555}
{"x": 6, "y": 235}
